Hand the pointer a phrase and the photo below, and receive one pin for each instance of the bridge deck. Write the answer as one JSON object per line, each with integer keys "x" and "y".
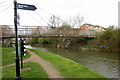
{"x": 29, "y": 32}
{"x": 32, "y": 36}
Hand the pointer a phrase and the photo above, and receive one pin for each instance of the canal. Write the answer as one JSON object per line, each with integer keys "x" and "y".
{"x": 105, "y": 63}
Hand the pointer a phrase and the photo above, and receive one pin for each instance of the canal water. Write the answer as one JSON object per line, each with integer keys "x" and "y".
{"x": 105, "y": 63}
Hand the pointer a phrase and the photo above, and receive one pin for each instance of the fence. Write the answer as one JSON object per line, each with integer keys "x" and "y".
{"x": 6, "y": 31}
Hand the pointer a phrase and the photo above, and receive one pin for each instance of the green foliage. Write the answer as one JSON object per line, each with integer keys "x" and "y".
{"x": 109, "y": 39}
{"x": 33, "y": 41}
{"x": 71, "y": 43}
{"x": 44, "y": 41}
{"x": 76, "y": 43}
{"x": 6, "y": 42}
{"x": 91, "y": 44}
{"x": 36, "y": 71}
{"x": 67, "y": 67}
{"x": 112, "y": 27}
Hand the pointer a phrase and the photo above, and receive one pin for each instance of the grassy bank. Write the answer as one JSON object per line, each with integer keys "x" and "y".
{"x": 36, "y": 71}
{"x": 68, "y": 68}
{"x": 8, "y": 56}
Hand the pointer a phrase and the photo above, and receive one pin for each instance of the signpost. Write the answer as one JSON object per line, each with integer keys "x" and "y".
{"x": 16, "y": 23}
{"x": 26, "y": 7}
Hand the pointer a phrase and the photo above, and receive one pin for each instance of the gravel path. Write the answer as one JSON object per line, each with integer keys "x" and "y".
{"x": 48, "y": 67}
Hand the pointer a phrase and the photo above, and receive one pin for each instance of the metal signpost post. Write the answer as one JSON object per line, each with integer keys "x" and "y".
{"x": 16, "y": 42}
{"x": 16, "y": 23}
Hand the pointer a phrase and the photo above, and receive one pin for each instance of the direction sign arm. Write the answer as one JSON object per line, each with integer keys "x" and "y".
{"x": 26, "y": 7}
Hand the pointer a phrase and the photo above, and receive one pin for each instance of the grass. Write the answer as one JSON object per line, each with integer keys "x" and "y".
{"x": 68, "y": 68}
{"x": 36, "y": 71}
{"x": 0, "y": 56}
{"x": 8, "y": 57}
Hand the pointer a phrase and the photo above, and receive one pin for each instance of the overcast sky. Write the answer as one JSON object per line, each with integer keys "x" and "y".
{"x": 96, "y": 12}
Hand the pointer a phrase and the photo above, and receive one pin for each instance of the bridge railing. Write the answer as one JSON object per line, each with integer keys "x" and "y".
{"x": 7, "y": 31}
{"x": 49, "y": 31}
{"x": 87, "y": 32}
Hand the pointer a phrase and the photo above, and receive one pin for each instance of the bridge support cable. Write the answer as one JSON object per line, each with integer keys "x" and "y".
{"x": 49, "y": 13}
{"x": 3, "y": 2}
{"x": 39, "y": 8}
{"x": 6, "y": 8}
{"x": 41, "y": 18}
{"x": 35, "y": 14}
{"x": 5, "y": 5}
{"x": 34, "y": 18}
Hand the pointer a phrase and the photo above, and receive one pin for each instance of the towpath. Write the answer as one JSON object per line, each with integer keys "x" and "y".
{"x": 47, "y": 66}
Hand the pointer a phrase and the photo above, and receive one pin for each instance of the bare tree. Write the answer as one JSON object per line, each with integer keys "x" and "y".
{"x": 71, "y": 21}
{"x": 75, "y": 21}
{"x": 79, "y": 20}
{"x": 55, "y": 21}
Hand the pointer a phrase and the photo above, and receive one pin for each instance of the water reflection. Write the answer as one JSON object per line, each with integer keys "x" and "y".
{"x": 105, "y": 63}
